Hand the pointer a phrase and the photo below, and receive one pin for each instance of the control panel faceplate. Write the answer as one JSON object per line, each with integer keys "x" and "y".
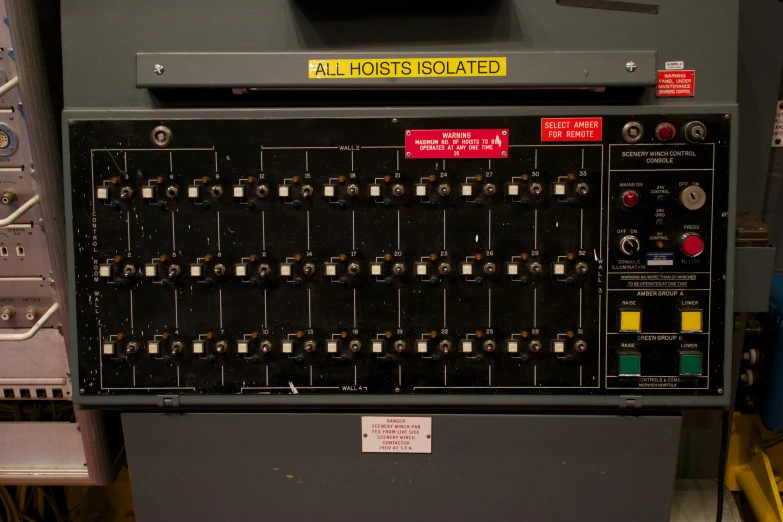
{"x": 311, "y": 256}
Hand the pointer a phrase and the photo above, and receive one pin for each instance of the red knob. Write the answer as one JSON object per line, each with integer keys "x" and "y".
{"x": 692, "y": 245}
{"x": 630, "y": 198}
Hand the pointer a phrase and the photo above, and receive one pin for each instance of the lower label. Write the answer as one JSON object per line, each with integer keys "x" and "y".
{"x": 396, "y": 434}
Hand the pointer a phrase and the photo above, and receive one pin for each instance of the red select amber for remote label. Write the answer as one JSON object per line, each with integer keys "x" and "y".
{"x": 571, "y": 129}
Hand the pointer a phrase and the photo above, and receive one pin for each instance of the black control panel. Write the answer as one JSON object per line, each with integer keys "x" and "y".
{"x": 319, "y": 256}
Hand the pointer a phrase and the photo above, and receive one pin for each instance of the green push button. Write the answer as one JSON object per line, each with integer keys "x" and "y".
{"x": 630, "y": 364}
{"x": 690, "y": 364}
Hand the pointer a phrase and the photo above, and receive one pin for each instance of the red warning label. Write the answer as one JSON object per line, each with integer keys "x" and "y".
{"x": 571, "y": 129}
{"x": 676, "y": 84}
{"x": 456, "y": 143}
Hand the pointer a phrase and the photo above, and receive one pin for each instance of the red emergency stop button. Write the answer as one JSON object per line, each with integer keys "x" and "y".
{"x": 630, "y": 198}
{"x": 665, "y": 131}
{"x": 692, "y": 245}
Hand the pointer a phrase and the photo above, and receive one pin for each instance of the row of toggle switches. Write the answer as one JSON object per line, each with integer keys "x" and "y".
{"x": 519, "y": 189}
{"x": 474, "y": 268}
{"x": 560, "y": 346}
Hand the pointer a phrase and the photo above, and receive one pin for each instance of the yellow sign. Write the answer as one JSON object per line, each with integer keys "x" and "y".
{"x": 407, "y": 67}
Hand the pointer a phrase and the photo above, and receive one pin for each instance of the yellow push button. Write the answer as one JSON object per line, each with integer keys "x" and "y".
{"x": 630, "y": 320}
{"x": 690, "y": 320}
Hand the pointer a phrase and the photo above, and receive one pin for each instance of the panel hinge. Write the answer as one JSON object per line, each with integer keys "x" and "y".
{"x": 630, "y": 402}
{"x": 168, "y": 401}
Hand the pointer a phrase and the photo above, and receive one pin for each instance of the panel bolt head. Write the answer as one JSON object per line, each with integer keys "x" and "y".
{"x": 630, "y": 66}
{"x": 720, "y": 391}
{"x": 158, "y": 69}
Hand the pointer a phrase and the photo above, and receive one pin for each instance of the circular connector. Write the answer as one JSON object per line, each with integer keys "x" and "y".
{"x": 219, "y": 270}
{"x": 534, "y": 346}
{"x": 132, "y": 347}
{"x": 693, "y": 197}
{"x": 490, "y": 268}
{"x": 355, "y": 345}
{"x": 266, "y": 347}
{"x": 221, "y": 346}
{"x": 264, "y": 270}
{"x": 7, "y": 313}
{"x": 489, "y": 345}
{"x": 309, "y": 346}
{"x": 8, "y": 140}
{"x": 535, "y": 268}
{"x": 262, "y": 191}
{"x": 398, "y": 190}
{"x": 633, "y": 132}
{"x": 444, "y": 190}
{"x": 308, "y": 269}
{"x": 399, "y": 346}
{"x": 32, "y": 313}
{"x": 161, "y": 136}
{"x": 129, "y": 270}
{"x": 444, "y": 269}
{"x": 172, "y": 191}
{"x": 445, "y": 346}
{"x": 177, "y": 347}
{"x": 536, "y": 189}
{"x": 353, "y": 268}
{"x": 352, "y": 190}
{"x": 216, "y": 191}
{"x": 581, "y": 268}
{"x": 489, "y": 189}
{"x": 580, "y": 346}
{"x": 126, "y": 192}
{"x": 582, "y": 189}
{"x": 695, "y": 132}
{"x": 398, "y": 269}
{"x": 8, "y": 197}
{"x": 307, "y": 191}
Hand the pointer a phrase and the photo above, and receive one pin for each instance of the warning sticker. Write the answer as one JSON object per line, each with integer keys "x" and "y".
{"x": 456, "y": 143}
{"x": 571, "y": 129}
{"x": 396, "y": 434}
{"x": 676, "y": 84}
{"x": 356, "y": 68}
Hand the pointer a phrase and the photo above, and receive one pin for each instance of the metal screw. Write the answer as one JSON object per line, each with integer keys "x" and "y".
{"x": 720, "y": 391}
{"x": 82, "y": 390}
{"x": 630, "y": 66}
{"x": 158, "y": 69}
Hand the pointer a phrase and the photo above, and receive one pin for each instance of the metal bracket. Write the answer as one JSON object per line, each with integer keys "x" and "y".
{"x": 168, "y": 401}
{"x": 632, "y": 403}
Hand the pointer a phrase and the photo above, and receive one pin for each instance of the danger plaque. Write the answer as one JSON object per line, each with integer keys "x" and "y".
{"x": 396, "y": 434}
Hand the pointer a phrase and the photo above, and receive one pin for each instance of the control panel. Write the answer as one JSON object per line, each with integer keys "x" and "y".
{"x": 426, "y": 256}
{"x": 33, "y": 356}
